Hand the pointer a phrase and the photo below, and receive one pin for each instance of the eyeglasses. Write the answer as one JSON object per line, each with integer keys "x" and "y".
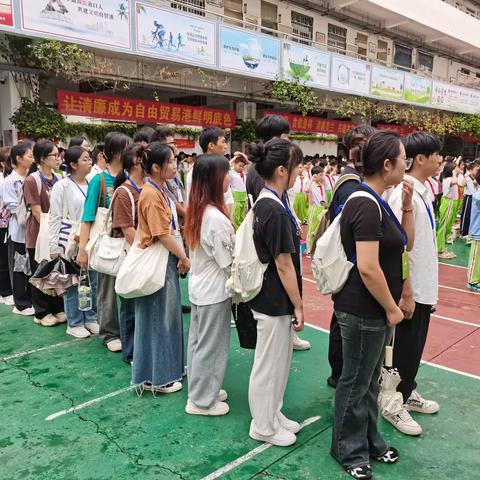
{"x": 408, "y": 163}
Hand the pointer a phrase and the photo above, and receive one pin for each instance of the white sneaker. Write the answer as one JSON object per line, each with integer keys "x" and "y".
{"x": 218, "y": 409}
{"x": 27, "y": 312}
{"x": 47, "y": 321}
{"x": 282, "y": 438}
{"x": 78, "y": 332}
{"x": 288, "y": 424}
{"x": 299, "y": 344}
{"x": 93, "y": 327}
{"x": 9, "y": 301}
{"x": 416, "y": 403}
{"x": 222, "y": 396}
{"x": 2, "y": 300}
{"x": 61, "y": 317}
{"x": 114, "y": 345}
{"x": 393, "y": 411}
{"x": 172, "y": 388}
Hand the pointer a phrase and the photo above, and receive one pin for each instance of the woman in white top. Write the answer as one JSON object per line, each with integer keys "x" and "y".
{"x": 21, "y": 159}
{"x": 210, "y": 236}
{"x": 66, "y": 203}
{"x": 6, "y": 296}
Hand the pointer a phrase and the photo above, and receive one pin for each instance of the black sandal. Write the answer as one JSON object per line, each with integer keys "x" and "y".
{"x": 390, "y": 456}
{"x": 364, "y": 472}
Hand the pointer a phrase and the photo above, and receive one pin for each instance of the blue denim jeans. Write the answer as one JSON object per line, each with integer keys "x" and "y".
{"x": 127, "y": 327}
{"x": 75, "y": 317}
{"x": 355, "y": 436}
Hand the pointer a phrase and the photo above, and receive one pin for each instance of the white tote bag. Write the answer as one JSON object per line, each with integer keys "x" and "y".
{"x": 42, "y": 246}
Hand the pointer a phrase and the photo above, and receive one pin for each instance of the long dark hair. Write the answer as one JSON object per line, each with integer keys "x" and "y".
{"x": 115, "y": 144}
{"x": 354, "y": 140}
{"x": 129, "y": 155}
{"x": 41, "y": 149}
{"x": 207, "y": 189}
{"x": 19, "y": 150}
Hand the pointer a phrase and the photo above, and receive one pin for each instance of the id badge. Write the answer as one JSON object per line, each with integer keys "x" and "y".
{"x": 405, "y": 266}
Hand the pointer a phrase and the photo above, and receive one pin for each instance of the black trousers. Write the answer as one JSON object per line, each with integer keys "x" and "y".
{"x": 43, "y": 304}
{"x": 466, "y": 214}
{"x": 410, "y": 338}
{"x": 335, "y": 351}
{"x": 19, "y": 281}
{"x": 5, "y": 284}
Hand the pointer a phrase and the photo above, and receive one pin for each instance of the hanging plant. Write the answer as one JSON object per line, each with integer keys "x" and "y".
{"x": 244, "y": 131}
{"x": 302, "y": 96}
{"x": 313, "y": 137}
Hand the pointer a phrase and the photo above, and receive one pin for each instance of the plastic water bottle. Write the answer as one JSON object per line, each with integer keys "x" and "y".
{"x": 84, "y": 292}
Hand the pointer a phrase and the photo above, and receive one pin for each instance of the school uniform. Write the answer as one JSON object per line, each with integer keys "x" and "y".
{"x": 474, "y": 232}
{"x": 317, "y": 206}
{"x": 239, "y": 193}
{"x": 467, "y": 205}
{"x": 300, "y": 199}
{"x": 448, "y": 213}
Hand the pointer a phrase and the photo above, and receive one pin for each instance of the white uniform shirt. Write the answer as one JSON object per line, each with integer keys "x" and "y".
{"x": 300, "y": 184}
{"x": 423, "y": 259}
{"x": 449, "y": 190}
{"x": 470, "y": 186}
{"x": 12, "y": 189}
{"x": 94, "y": 171}
{"x": 237, "y": 182}
{"x": 317, "y": 194}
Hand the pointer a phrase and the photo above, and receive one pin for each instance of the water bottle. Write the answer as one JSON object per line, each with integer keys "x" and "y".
{"x": 84, "y": 292}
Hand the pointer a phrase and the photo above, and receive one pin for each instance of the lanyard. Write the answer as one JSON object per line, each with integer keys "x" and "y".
{"x": 108, "y": 171}
{"x": 174, "y": 226}
{"x": 285, "y": 204}
{"x": 132, "y": 183}
{"x": 46, "y": 182}
{"x": 387, "y": 208}
{"x": 430, "y": 216}
{"x": 78, "y": 186}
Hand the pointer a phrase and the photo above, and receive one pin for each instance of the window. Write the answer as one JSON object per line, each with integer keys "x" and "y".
{"x": 234, "y": 9}
{"x": 465, "y": 71}
{"x": 269, "y": 18}
{"x": 361, "y": 41}
{"x": 191, "y": 6}
{"x": 382, "y": 51}
{"x": 337, "y": 37}
{"x": 403, "y": 56}
{"x": 425, "y": 62}
{"x": 302, "y": 26}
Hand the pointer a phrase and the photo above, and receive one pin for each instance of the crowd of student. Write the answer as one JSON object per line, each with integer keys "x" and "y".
{"x": 398, "y": 199}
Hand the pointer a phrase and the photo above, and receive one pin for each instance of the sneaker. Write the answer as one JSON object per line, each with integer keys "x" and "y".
{"x": 365, "y": 471}
{"x": 78, "y": 332}
{"x": 186, "y": 309}
{"x": 170, "y": 388}
{"x": 114, "y": 345}
{"x": 299, "y": 344}
{"x": 288, "y": 424}
{"x": 474, "y": 287}
{"x": 218, "y": 409}
{"x": 61, "y": 317}
{"x": 390, "y": 456}
{"x": 93, "y": 327}
{"x": 9, "y": 301}
{"x": 26, "y": 312}
{"x": 416, "y": 403}
{"x": 222, "y": 396}
{"x": 394, "y": 412}
{"x": 47, "y": 321}
{"x": 282, "y": 438}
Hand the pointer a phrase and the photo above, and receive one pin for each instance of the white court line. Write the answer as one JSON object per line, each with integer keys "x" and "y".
{"x": 41, "y": 349}
{"x": 456, "y": 321}
{"x": 308, "y": 280}
{"x": 448, "y": 369}
{"x": 90, "y": 402}
{"x": 460, "y": 290}
{"x": 454, "y": 266}
{"x": 252, "y": 453}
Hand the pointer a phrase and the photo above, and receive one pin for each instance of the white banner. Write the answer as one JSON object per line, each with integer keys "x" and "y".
{"x": 387, "y": 83}
{"x": 350, "y": 75}
{"x": 417, "y": 89}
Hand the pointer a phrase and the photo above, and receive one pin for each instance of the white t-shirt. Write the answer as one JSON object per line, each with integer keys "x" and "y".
{"x": 300, "y": 184}
{"x": 12, "y": 188}
{"x": 228, "y": 197}
{"x": 237, "y": 183}
{"x": 449, "y": 190}
{"x": 317, "y": 194}
{"x": 329, "y": 183}
{"x": 94, "y": 171}
{"x": 211, "y": 260}
{"x": 470, "y": 187}
{"x": 433, "y": 185}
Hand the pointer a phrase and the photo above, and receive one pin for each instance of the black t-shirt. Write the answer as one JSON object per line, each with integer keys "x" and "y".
{"x": 274, "y": 233}
{"x": 360, "y": 221}
{"x": 254, "y": 183}
{"x": 343, "y": 192}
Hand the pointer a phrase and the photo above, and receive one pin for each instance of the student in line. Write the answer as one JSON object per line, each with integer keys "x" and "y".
{"x": 99, "y": 161}
{"x": 239, "y": 190}
{"x": 300, "y": 199}
{"x": 367, "y": 306}
{"x": 474, "y": 232}
{"x": 37, "y": 188}
{"x": 209, "y": 235}
{"x": 97, "y": 196}
{"x": 16, "y": 169}
{"x": 470, "y": 188}
{"x": 6, "y": 296}
{"x": 278, "y": 308}
{"x": 158, "y": 359}
{"x": 66, "y": 202}
{"x": 318, "y": 203}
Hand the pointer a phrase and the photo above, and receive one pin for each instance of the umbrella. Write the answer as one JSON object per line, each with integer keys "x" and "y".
{"x": 55, "y": 277}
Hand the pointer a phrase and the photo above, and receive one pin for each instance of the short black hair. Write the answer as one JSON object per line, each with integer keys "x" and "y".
{"x": 210, "y": 134}
{"x": 143, "y": 134}
{"x": 271, "y": 126}
{"x": 380, "y": 146}
{"x": 76, "y": 141}
{"x": 72, "y": 155}
{"x": 161, "y": 134}
{"x": 317, "y": 170}
{"x": 421, "y": 143}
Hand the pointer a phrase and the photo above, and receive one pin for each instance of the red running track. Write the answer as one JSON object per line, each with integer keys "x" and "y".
{"x": 454, "y": 335}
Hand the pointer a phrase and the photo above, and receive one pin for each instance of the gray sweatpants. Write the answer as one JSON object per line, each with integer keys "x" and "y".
{"x": 208, "y": 346}
{"x": 107, "y": 309}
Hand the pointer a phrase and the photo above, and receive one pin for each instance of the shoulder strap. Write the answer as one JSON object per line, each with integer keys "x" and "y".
{"x": 38, "y": 181}
{"x": 132, "y": 200}
{"x": 267, "y": 194}
{"x": 343, "y": 179}
{"x": 364, "y": 194}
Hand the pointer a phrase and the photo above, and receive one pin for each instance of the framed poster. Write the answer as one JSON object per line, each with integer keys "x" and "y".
{"x": 386, "y": 83}
{"x": 350, "y": 76}
{"x": 417, "y": 89}
{"x": 6, "y": 13}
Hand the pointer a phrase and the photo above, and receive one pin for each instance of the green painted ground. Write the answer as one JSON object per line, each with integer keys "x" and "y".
{"x": 126, "y": 437}
{"x": 462, "y": 252}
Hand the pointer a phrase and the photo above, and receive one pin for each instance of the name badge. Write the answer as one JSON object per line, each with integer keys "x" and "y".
{"x": 405, "y": 266}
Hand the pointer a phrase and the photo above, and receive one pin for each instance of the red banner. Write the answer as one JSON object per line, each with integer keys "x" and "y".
{"x": 403, "y": 130}
{"x": 136, "y": 110}
{"x": 6, "y": 14}
{"x": 184, "y": 143}
{"x": 299, "y": 123}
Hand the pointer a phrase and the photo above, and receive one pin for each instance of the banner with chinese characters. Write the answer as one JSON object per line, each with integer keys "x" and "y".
{"x": 299, "y": 123}
{"x": 6, "y": 13}
{"x": 350, "y": 76}
{"x": 141, "y": 111}
{"x": 168, "y": 34}
{"x": 251, "y": 54}
{"x": 386, "y": 83}
{"x": 306, "y": 65}
{"x": 100, "y": 22}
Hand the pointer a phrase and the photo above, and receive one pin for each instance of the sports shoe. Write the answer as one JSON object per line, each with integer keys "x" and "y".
{"x": 282, "y": 438}
{"x": 390, "y": 456}
{"x": 78, "y": 332}
{"x": 365, "y": 471}
{"x": 114, "y": 345}
{"x": 393, "y": 411}
{"x": 288, "y": 424}
{"x": 61, "y": 317}
{"x": 416, "y": 403}
{"x": 218, "y": 409}
{"x": 47, "y": 321}
{"x": 222, "y": 396}
{"x": 474, "y": 287}
{"x": 27, "y": 312}
{"x": 9, "y": 301}
{"x": 299, "y": 344}
{"x": 92, "y": 327}
{"x": 170, "y": 388}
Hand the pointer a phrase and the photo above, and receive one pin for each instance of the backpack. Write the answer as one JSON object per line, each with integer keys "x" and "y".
{"x": 247, "y": 270}
{"x": 330, "y": 265}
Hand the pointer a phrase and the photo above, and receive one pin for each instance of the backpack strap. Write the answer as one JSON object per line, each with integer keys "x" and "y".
{"x": 270, "y": 195}
{"x": 345, "y": 178}
{"x": 364, "y": 194}
{"x": 132, "y": 200}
